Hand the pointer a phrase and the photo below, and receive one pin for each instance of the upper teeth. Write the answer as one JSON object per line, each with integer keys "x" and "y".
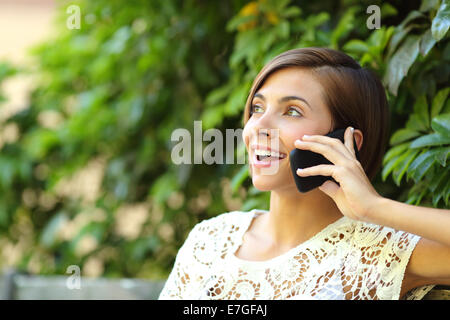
{"x": 268, "y": 153}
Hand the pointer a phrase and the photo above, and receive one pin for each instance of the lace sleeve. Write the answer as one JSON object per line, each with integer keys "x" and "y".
{"x": 179, "y": 278}
{"x": 379, "y": 262}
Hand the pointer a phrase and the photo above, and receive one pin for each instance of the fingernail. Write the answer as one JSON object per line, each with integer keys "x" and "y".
{"x": 305, "y": 136}
{"x": 352, "y": 129}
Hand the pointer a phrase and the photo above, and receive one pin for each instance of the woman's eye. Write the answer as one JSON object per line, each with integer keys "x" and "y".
{"x": 254, "y": 107}
{"x": 295, "y": 112}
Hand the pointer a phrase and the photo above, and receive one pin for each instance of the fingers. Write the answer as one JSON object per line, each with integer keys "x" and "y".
{"x": 345, "y": 149}
{"x": 321, "y": 169}
{"x": 330, "y": 188}
{"x": 348, "y": 140}
{"x": 330, "y": 148}
{"x": 328, "y": 152}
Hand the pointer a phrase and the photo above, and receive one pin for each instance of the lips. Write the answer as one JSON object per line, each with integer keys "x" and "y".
{"x": 264, "y": 156}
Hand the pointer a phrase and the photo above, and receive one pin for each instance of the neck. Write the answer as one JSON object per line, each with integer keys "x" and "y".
{"x": 295, "y": 217}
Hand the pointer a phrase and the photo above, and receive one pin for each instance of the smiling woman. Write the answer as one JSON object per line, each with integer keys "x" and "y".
{"x": 333, "y": 242}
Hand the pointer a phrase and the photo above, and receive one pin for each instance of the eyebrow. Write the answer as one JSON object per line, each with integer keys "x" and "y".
{"x": 286, "y": 98}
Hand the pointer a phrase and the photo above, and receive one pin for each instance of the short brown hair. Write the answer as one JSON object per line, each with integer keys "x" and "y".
{"x": 354, "y": 95}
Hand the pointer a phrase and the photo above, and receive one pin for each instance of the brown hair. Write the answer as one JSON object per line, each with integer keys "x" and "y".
{"x": 354, "y": 96}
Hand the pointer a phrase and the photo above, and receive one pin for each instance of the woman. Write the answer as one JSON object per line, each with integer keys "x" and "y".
{"x": 333, "y": 242}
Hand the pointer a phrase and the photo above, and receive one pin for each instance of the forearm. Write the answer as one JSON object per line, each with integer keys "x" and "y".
{"x": 429, "y": 223}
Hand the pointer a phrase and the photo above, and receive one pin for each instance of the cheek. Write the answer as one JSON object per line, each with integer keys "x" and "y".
{"x": 246, "y": 135}
{"x": 290, "y": 136}
{"x": 295, "y": 132}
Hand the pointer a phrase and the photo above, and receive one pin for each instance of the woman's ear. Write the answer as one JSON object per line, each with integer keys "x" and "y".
{"x": 358, "y": 135}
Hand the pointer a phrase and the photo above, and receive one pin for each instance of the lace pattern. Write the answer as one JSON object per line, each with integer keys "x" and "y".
{"x": 346, "y": 260}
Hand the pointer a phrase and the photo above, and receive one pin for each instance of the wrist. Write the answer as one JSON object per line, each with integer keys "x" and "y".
{"x": 375, "y": 209}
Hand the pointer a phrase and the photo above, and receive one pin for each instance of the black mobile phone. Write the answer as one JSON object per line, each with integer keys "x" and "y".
{"x": 305, "y": 158}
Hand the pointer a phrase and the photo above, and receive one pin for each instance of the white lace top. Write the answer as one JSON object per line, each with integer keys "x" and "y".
{"x": 346, "y": 260}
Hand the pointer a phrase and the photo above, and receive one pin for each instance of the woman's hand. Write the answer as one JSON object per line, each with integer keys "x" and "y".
{"x": 355, "y": 197}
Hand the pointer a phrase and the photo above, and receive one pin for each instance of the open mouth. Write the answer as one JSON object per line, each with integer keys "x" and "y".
{"x": 264, "y": 158}
{"x": 267, "y": 155}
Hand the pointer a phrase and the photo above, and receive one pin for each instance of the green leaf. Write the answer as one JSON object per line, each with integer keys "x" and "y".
{"x": 238, "y": 20}
{"x": 441, "y": 21}
{"x": 410, "y": 17}
{"x": 436, "y": 197}
{"x": 426, "y": 43}
{"x": 291, "y": 12}
{"x": 356, "y": 45}
{"x": 376, "y": 38}
{"x": 438, "y": 101}
{"x": 250, "y": 204}
{"x": 7, "y": 172}
{"x": 6, "y": 70}
{"x": 400, "y": 63}
{"x": 283, "y": 29}
{"x": 427, "y": 5}
{"x": 239, "y": 178}
{"x": 421, "y": 165}
{"x": 421, "y": 110}
{"x": 246, "y": 44}
{"x": 387, "y": 36}
{"x": 433, "y": 139}
{"x": 212, "y": 116}
{"x": 440, "y": 189}
{"x": 442, "y": 155}
{"x": 399, "y": 34}
{"x": 392, "y": 164}
{"x": 447, "y": 192}
{"x": 403, "y": 135}
{"x": 345, "y": 25}
{"x": 218, "y": 95}
{"x": 446, "y": 108}
{"x": 163, "y": 187}
{"x": 278, "y": 5}
{"x": 415, "y": 122}
{"x": 419, "y": 197}
{"x": 237, "y": 99}
{"x": 395, "y": 151}
{"x": 39, "y": 141}
{"x": 403, "y": 165}
{"x": 388, "y": 10}
{"x": 50, "y": 231}
{"x": 436, "y": 180}
{"x": 441, "y": 124}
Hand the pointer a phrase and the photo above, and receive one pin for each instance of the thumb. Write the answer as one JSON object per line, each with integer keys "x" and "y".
{"x": 330, "y": 188}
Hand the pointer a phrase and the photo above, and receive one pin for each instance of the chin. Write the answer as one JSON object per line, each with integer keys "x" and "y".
{"x": 266, "y": 183}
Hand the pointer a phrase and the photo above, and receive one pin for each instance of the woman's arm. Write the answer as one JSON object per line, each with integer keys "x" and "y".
{"x": 430, "y": 260}
{"x": 357, "y": 199}
{"x": 430, "y": 223}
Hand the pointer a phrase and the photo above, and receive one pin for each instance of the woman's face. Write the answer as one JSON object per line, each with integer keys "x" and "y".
{"x": 286, "y": 107}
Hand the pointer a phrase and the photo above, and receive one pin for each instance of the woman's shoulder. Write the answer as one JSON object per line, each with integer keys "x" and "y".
{"x": 380, "y": 254}
{"x": 378, "y": 235}
{"x": 234, "y": 220}
{"x": 216, "y": 235}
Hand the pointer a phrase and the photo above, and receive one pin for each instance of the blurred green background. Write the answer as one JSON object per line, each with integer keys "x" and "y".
{"x": 86, "y": 176}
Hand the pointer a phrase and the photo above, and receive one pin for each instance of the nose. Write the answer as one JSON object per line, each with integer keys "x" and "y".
{"x": 265, "y": 136}
{"x": 262, "y": 130}
{"x": 263, "y": 126}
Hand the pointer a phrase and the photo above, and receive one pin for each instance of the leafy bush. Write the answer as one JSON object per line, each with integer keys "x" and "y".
{"x": 420, "y": 49}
